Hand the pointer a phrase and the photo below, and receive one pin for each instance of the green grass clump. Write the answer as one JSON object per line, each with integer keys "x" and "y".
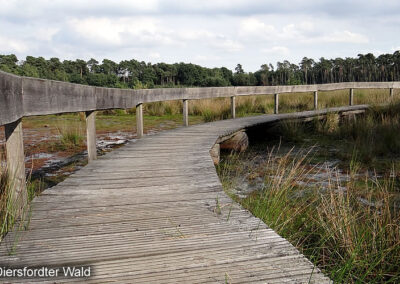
{"x": 70, "y": 137}
{"x": 6, "y": 219}
{"x": 10, "y": 209}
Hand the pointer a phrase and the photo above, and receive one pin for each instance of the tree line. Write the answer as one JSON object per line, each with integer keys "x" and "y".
{"x": 135, "y": 74}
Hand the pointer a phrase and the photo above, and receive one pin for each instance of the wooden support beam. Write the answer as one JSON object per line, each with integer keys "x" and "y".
{"x": 186, "y": 112}
{"x": 16, "y": 166}
{"x": 91, "y": 135}
{"x": 351, "y": 97}
{"x": 316, "y": 100}
{"x": 233, "y": 106}
{"x": 391, "y": 92}
{"x": 139, "y": 120}
{"x": 276, "y": 106}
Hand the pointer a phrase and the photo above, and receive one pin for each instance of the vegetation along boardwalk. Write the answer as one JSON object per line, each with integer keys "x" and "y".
{"x": 153, "y": 210}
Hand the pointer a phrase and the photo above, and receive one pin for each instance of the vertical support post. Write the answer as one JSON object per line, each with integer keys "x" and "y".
{"x": 351, "y": 97}
{"x": 91, "y": 135}
{"x": 139, "y": 120}
{"x": 391, "y": 93}
{"x": 185, "y": 112}
{"x": 16, "y": 165}
{"x": 316, "y": 100}
{"x": 276, "y": 106}
{"x": 233, "y": 106}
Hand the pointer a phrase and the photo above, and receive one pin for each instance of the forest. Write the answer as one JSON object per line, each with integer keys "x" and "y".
{"x": 135, "y": 74}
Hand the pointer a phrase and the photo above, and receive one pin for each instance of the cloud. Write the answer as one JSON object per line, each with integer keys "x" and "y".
{"x": 255, "y": 27}
{"x": 227, "y": 45}
{"x": 345, "y": 37}
{"x": 276, "y": 50}
{"x": 154, "y": 55}
{"x": 141, "y": 31}
{"x": 396, "y": 48}
{"x": 10, "y": 45}
{"x": 205, "y": 58}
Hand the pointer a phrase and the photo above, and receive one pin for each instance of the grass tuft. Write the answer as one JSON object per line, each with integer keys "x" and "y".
{"x": 10, "y": 210}
{"x": 70, "y": 137}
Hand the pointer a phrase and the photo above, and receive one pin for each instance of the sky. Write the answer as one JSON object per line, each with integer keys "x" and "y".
{"x": 211, "y": 33}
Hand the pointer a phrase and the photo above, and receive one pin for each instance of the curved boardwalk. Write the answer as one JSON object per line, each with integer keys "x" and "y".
{"x": 154, "y": 211}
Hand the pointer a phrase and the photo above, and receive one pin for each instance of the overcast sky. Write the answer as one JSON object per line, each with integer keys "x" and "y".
{"x": 211, "y": 33}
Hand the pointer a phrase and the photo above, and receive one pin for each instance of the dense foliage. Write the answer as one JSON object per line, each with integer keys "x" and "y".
{"x": 135, "y": 74}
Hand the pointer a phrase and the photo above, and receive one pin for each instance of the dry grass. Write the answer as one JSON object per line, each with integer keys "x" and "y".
{"x": 219, "y": 108}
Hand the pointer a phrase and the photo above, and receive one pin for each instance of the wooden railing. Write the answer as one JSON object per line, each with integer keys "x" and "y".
{"x": 22, "y": 96}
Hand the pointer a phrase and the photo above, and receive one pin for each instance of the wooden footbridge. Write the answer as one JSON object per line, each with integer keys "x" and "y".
{"x": 153, "y": 210}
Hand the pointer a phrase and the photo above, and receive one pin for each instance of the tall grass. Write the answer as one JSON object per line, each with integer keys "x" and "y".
{"x": 351, "y": 231}
{"x": 70, "y": 137}
{"x": 11, "y": 211}
{"x": 5, "y": 216}
{"x": 219, "y": 108}
{"x": 371, "y": 136}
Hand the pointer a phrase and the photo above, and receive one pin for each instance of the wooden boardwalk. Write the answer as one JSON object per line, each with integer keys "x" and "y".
{"x": 154, "y": 211}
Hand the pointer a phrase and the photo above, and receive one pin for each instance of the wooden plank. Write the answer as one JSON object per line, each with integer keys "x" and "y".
{"x": 351, "y": 97}
{"x": 185, "y": 112}
{"x": 316, "y": 100}
{"x": 139, "y": 120}
{"x": 233, "y": 107}
{"x": 11, "y": 108}
{"x": 276, "y": 103}
{"x": 91, "y": 135}
{"x": 16, "y": 167}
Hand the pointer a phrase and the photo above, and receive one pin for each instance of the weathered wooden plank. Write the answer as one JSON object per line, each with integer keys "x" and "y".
{"x": 16, "y": 167}
{"x": 316, "y": 100}
{"x": 233, "y": 107}
{"x": 91, "y": 135}
{"x": 185, "y": 112}
{"x": 78, "y": 253}
{"x": 42, "y": 97}
{"x": 10, "y": 98}
{"x": 276, "y": 103}
{"x": 351, "y": 97}
{"x": 139, "y": 120}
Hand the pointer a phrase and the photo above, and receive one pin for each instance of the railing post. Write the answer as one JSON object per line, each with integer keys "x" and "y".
{"x": 276, "y": 106}
{"x": 91, "y": 135}
{"x": 233, "y": 106}
{"x": 391, "y": 92}
{"x": 16, "y": 165}
{"x": 139, "y": 120}
{"x": 351, "y": 96}
{"x": 316, "y": 100}
{"x": 185, "y": 112}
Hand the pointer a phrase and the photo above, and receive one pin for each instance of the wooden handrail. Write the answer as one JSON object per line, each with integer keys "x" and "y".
{"x": 24, "y": 96}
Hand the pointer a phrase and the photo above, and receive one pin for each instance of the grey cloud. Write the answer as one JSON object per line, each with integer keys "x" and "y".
{"x": 63, "y": 9}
